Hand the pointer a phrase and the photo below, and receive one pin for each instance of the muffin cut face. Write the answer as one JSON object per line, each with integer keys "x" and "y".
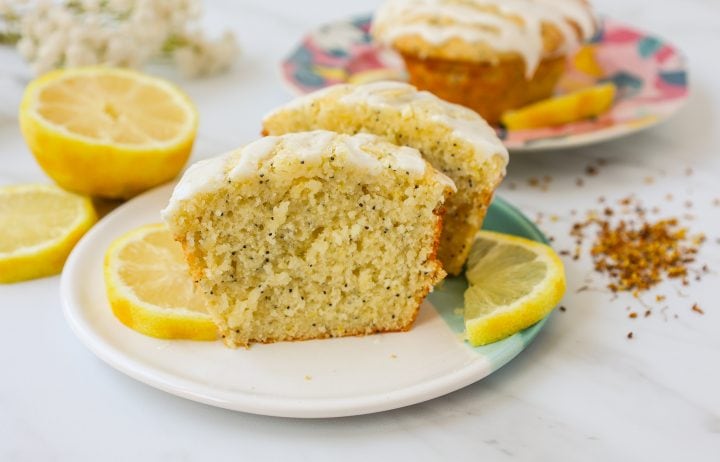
{"x": 454, "y": 139}
{"x": 311, "y": 235}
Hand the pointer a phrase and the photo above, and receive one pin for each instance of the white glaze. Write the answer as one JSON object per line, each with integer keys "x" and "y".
{"x": 482, "y": 136}
{"x": 466, "y": 125}
{"x": 397, "y": 18}
{"x": 405, "y": 159}
{"x": 408, "y": 159}
{"x": 202, "y": 176}
{"x": 251, "y": 155}
{"x": 357, "y": 154}
{"x": 376, "y": 94}
{"x": 312, "y": 146}
{"x": 209, "y": 175}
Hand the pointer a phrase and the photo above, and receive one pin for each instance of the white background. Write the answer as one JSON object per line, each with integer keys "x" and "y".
{"x": 582, "y": 391}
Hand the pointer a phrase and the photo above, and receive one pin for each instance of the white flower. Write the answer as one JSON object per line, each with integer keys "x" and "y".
{"x": 204, "y": 57}
{"x": 26, "y": 47}
{"x": 78, "y": 55}
{"x": 119, "y": 32}
{"x": 120, "y": 5}
{"x": 58, "y": 40}
{"x": 185, "y": 60}
{"x": 43, "y": 6}
{"x": 7, "y": 7}
{"x": 63, "y": 19}
{"x": 41, "y": 28}
{"x": 116, "y": 51}
{"x": 76, "y": 34}
{"x": 90, "y": 6}
{"x": 48, "y": 57}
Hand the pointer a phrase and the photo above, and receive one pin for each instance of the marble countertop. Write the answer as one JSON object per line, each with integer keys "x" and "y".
{"x": 581, "y": 391}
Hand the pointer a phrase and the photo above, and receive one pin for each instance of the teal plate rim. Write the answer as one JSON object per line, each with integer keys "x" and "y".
{"x": 448, "y": 295}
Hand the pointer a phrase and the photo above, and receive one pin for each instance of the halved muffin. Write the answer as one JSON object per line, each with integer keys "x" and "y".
{"x": 311, "y": 235}
{"x": 454, "y": 139}
{"x": 488, "y": 55}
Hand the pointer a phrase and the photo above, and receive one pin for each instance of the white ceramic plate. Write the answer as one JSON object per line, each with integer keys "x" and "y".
{"x": 320, "y": 378}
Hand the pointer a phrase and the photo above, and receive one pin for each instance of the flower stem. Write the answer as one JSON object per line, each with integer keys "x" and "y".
{"x": 9, "y": 38}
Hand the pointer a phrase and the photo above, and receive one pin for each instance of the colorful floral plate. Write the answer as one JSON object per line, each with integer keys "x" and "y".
{"x": 649, "y": 73}
{"x": 317, "y": 378}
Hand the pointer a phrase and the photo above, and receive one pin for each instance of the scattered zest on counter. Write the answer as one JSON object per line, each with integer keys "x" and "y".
{"x": 637, "y": 254}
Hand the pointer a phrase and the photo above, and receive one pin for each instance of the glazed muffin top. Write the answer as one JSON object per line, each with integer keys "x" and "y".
{"x": 484, "y": 30}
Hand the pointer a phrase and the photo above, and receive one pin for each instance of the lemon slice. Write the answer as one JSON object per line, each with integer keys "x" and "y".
{"x": 514, "y": 283}
{"x": 582, "y": 104}
{"x": 149, "y": 287}
{"x": 107, "y": 132}
{"x": 39, "y": 226}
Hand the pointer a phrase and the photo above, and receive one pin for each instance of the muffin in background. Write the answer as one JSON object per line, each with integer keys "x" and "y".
{"x": 488, "y": 55}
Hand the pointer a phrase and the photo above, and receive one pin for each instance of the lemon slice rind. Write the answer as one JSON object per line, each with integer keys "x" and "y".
{"x": 46, "y": 257}
{"x": 167, "y": 322}
{"x": 500, "y": 321}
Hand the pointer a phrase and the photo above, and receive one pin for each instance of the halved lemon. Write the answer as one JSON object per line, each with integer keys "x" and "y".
{"x": 513, "y": 283}
{"x": 39, "y": 226}
{"x": 107, "y": 132}
{"x": 564, "y": 109}
{"x": 149, "y": 287}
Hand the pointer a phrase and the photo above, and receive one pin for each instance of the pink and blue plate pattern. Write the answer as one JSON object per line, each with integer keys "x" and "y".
{"x": 649, "y": 73}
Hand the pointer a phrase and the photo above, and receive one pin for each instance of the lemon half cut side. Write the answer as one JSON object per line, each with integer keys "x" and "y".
{"x": 149, "y": 288}
{"x": 107, "y": 132}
